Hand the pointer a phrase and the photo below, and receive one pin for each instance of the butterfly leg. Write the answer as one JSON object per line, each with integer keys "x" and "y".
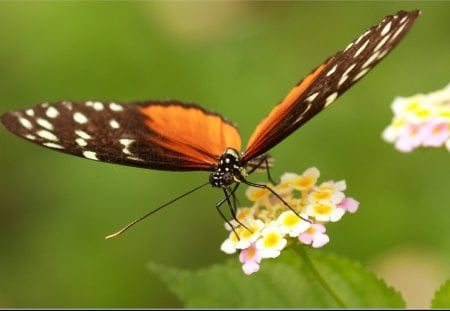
{"x": 266, "y": 160}
{"x": 263, "y": 161}
{"x": 236, "y": 203}
{"x": 230, "y": 192}
{"x": 233, "y": 212}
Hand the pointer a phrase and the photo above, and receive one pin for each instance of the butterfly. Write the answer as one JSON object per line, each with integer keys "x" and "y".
{"x": 176, "y": 136}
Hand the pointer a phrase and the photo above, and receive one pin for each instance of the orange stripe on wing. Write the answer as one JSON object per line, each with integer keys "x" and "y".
{"x": 279, "y": 112}
{"x": 190, "y": 131}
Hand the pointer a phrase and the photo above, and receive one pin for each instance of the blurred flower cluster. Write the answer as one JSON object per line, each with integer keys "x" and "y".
{"x": 266, "y": 228}
{"x": 422, "y": 120}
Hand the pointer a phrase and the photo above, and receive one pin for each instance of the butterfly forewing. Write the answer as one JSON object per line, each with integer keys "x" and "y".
{"x": 328, "y": 81}
{"x": 133, "y": 134}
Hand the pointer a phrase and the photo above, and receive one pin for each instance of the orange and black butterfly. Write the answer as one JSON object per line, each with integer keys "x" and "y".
{"x": 171, "y": 135}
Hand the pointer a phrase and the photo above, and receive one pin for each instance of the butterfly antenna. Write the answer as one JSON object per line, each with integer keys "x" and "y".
{"x": 114, "y": 235}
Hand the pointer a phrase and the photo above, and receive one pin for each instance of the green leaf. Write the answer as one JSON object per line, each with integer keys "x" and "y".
{"x": 284, "y": 282}
{"x": 442, "y": 297}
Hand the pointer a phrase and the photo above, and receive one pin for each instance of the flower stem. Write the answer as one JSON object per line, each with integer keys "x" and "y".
{"x": 301, "y": 251}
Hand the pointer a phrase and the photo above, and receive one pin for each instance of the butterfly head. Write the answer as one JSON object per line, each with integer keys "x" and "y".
{"x": 229, "y": 169}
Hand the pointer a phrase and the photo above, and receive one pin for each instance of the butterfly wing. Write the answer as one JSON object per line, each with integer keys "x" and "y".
{"x": 158, "y": 135}
{"x": 328, "y": 81}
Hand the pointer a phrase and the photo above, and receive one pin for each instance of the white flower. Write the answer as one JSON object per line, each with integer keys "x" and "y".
{"x": 325, "y": 212}
{"x": 271, "y": 242}
{"x": 291, "y": 224}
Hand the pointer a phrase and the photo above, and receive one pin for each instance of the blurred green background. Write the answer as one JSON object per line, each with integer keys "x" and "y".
{"x": 236, "y": 58}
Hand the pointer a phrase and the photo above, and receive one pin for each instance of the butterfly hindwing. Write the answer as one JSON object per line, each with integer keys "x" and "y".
{"x": 328, "y": 81}
{"x": 128, "y": 134}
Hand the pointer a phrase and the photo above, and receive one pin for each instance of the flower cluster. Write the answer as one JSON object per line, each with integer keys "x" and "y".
{"x": 263, "y": 230}
{"x": 422, "y": 120}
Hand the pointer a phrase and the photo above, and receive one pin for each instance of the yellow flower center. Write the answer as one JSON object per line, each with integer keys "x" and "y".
{"x": 398, "y": 123}
{"x": 444, "y": 113}
{"x": 323, "y": 209}
{"x": 436, "y": 130}
{"x": 311, "y": 230}
{"x": 271, "y": 240}
{"x": 322, "y": 195}
{"x": 247, "y": 233}
{"x": 422, "y": 113}
{"x": 412, "y": 106}
{"x": 251, "y": 253}
{"x": 234, "y": 237}
{"x": 414, "y": 131}
{"x": 242, "y": 214}
{"x": 258, "y": 194}
{"x": 305, "y": 182}
{"x": 283, "y": 185}
{"x": 291, "y": 220}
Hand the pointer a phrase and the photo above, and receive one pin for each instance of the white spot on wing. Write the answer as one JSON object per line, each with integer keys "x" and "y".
{"x": 349, "y": 69}
{"x": 362, "y": 36}
{"x": 381, "y": 43}
{"x": 382, "y": 54}
{"x": 96, "y": 105}
{"x": 403, "y": 19}
{"x": 348, "y": 46}
{"x": 126, "y": 143}
{"x": 331, "y": 99}
{"x": 300, "y": 117}
{"x": 81, "y": 142}
{"x": 361, "y": 49}
{"x": 370, "y": 60}
{"x": 67, "y": 104}
{"x": 52, "y": 112}
{"x": 47, "y": 135}
{"x": 312, "y": 97}
{"x": 83, "y": 134}
{"x": 115, "y": 107}
{"x": 342, "y": 80}
{"x": 345, "y": 75}
{"x": 45, "y": 124}
{"x": 79, "y": 118}
{"x": 386, "y": 29}
{"x": 25, "y": 123}
{"x": 398, "y": 32}
{"x": 30, "y": 112}
{"x": 135, "y": 158}
{"x": 361, "y": 73}
{"x": 114, "y": 124}
{"x": 332, "y": 70}
{"x": 53, "y": 145}
{"x": 30, "y": 137}
{"x": 90, "y": 155}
